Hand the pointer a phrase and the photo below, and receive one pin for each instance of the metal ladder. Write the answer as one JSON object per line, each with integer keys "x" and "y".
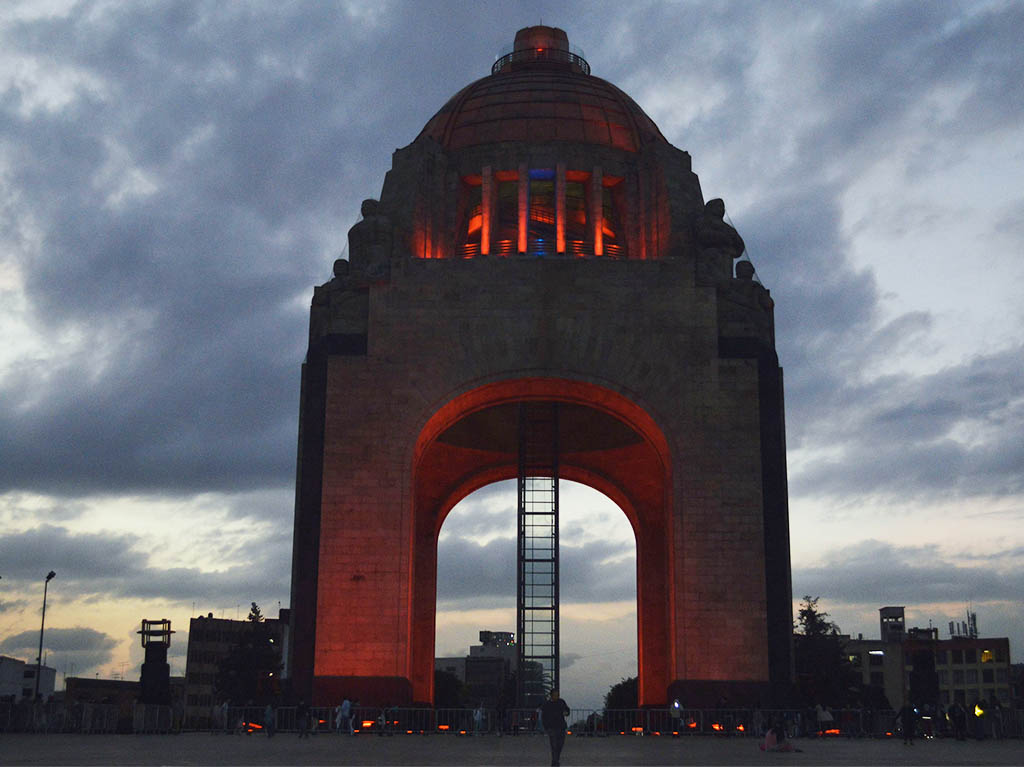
{"x": 537, "y": 555}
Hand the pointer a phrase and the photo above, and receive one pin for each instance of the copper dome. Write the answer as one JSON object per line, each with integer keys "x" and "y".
{"x": 542, "y": 92}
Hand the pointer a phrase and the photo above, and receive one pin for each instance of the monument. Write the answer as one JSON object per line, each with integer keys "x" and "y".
{"x": 541, "y": 254}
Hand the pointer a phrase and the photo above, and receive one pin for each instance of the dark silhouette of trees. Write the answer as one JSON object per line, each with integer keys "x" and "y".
{"x": 449, "y": 691}
{"x": 622, "y": 694}
{"x": 824, "y": 673}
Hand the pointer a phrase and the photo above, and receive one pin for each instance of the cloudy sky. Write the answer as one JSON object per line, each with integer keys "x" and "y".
{"x": 175, "y": 177}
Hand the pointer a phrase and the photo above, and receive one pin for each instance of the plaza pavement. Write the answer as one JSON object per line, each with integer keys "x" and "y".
{"x": 287, "y": 749}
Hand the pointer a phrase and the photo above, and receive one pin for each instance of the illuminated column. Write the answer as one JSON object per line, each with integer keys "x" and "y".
{"x": 560, "y": 207}
{"x": 485, "y": 211}
{"x": 597, "y": 209}
{"x": 524, "y": 202}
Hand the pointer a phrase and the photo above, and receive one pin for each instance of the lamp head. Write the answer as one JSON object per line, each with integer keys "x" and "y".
{"x": 50, "y": 576}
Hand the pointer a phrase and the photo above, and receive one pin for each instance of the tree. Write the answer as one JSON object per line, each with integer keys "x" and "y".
{"x": 248, "y": 674}
{"x": 449, "y": 691}
{"x": 622, "y": 694}
{"x": 824, "y": 673}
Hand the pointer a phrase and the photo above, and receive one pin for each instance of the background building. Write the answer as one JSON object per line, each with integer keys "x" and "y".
{"x": 18, "y": 679}
{"x": 916, "y": 665}
{"x": 487, "y": 670}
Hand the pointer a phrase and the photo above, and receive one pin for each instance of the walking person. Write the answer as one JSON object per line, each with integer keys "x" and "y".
{"x": 907, "y": 717}
{"x": 269, "y": 720}
{"x": 345, "y": 716}
{"x": 552, "y": 718}
{"x": 225, "y": 716}
{"x": 302, "y": 718}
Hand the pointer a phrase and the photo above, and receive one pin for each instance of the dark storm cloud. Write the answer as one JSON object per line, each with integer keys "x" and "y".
{"x": 189, "y": 196}
{"x": 902, "y": 436}
{"x": 82, "y": 648}
{"x": 256, "y": 131}
{"x": 877, "y": 573}
{"x": 95, "y": 566}
{"x": 12, "y": 605}
{"x": 474, "y": 575}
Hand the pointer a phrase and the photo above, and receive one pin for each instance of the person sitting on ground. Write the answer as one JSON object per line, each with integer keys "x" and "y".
{"x": 775, "y": 739}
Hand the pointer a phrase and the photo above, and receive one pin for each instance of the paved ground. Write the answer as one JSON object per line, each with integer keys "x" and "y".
{"x": 287, "y": 749}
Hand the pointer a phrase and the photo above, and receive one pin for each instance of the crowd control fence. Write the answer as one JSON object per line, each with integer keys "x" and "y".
{"x": 141, "y": 718}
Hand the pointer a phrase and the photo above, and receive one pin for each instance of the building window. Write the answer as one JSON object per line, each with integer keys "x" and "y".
{"x": 1001, "y": 675}
{"x": 958, "y": 677}
{"x": 972, "y": 676}
{"x": 958, "y": 656}
{"x": 987, "y": 656}
{"x": 878, "y": 679}
{"x": 970, "y": 656}
{"x": 943, "y": 678}
{"x": 876, "y": 660}
{"x": 987, "y": 676}
{"x": 940, "y": 657}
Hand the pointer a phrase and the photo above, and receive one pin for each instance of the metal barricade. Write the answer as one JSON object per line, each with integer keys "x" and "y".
{"x": 149, "y": 718}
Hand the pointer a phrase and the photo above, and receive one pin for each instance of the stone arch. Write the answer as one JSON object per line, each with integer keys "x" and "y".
{"x": 615, "y": 446}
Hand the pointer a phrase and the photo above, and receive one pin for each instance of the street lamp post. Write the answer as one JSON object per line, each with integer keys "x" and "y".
{"x": 39, "y": 658}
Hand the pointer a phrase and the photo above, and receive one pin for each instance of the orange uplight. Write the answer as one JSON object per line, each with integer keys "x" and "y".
{"x": 523, "y": 211}
{"x": 638, "y": 729}
{"x": 888, "y": 734}
{"x": 485, "y": 211}
{"x": 717, "y": 727}
{"x": 462, "y": 732}
{"x": 692, "y": 725}
{"x": 442, "y": 726}
{"x": 740, "y": 728}
{"x": 675, "y": 733}
{"x": 656, "y": 732}
{"x": 831, "y": 732}
{"x": 367, "y": 724}
{"x": 568, "y": 732}
{"x": 408, "y": 732}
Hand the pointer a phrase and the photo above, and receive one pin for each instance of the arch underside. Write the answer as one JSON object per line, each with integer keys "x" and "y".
{"x": 607, "y": 442}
